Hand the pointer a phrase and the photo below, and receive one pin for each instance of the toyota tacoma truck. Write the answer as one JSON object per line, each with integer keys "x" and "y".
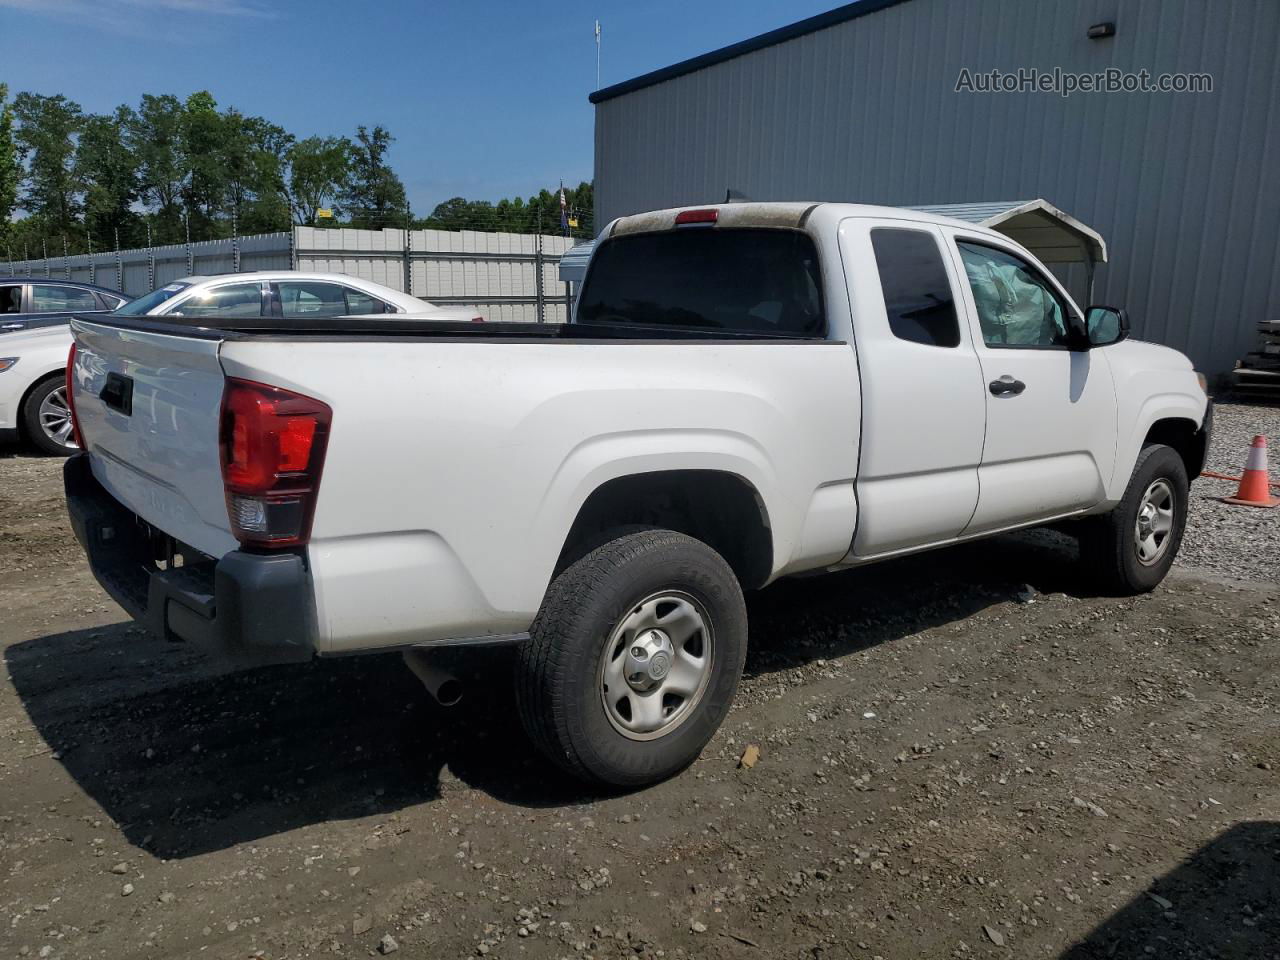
{"x": 746, "y": 392}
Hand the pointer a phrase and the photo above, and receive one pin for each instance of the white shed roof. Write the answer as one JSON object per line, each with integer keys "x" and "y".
{"x": 1051, "y": 234}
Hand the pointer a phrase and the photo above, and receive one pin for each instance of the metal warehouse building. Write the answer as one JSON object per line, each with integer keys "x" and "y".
{"x": 861, "y": 104}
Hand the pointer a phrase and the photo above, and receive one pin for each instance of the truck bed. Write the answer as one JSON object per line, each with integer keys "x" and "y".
{"x": 373, "y": 327}
{"x": 460, "y": 454}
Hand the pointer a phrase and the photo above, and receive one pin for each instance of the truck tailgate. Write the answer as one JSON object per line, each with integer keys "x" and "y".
{"x": 148, "y": 405}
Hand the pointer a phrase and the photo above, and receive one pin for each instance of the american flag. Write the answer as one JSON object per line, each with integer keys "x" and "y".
{"x": 564, "y": 211}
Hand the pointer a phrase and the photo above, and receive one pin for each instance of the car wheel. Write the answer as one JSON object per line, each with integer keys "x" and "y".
{"x": 47, "y": 418}
{"x": 1131, "y": 549}
{"x": 633, "y": 659}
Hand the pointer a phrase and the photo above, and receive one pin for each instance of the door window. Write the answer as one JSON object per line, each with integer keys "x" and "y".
{"x": 231, "y": 300}
{"x": 49, "y": 298}
{"x": 360, "y": 303}
{"x": 11, "y": 298}
{"x": 310, "y": 299}
{"x": 1016, "y": 306}
{"x": 917, "y": 291}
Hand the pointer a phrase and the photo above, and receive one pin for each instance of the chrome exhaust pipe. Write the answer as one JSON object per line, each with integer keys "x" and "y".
{"x": 443, "y": 686}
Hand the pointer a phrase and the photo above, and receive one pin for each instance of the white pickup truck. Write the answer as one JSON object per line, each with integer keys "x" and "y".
{"x": 747, "y": 392}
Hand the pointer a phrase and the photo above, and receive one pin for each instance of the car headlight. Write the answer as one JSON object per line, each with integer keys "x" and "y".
{"x": 6, "y": 363}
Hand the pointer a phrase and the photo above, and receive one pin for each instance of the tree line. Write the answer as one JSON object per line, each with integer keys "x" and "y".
{"x": 170, "y": 169}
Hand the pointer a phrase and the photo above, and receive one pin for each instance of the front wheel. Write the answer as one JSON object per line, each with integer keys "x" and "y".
{"x": 633, "y": 659}
{"x": 47, "y": 417}
{"x": 1131, "y": 549}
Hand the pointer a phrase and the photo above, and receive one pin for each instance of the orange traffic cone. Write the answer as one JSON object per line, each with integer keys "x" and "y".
{"x": 1255, "y": 485}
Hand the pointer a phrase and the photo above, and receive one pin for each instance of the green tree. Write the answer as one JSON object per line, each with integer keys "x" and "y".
{"x": 47, "y": 128}
{"x": 253, "y": 154}
{"x": 107, "y": 170}
{"x": 319, "y": 174}
{"x": 204, "y": 165}
{"x": 10, "y": 166}
{"x": 376, "y": 196}
{"x": 154, "y": 136}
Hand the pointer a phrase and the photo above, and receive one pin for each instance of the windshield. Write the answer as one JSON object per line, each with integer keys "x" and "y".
{"x": 143, "y": 305}
{"x": 753, "y": 281}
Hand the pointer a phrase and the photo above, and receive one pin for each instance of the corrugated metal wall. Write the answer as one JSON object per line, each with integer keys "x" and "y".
{"x": 1184, "y": 187}
{"x": 495, "y": 272}
{"x": 140, "y": 270}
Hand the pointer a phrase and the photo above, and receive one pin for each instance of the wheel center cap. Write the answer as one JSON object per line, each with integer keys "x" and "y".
{"x": 659, "y": 664}
{"x": 649, "y": 660}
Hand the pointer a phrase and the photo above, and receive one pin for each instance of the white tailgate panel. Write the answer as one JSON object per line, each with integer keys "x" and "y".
{"x": 162, "y": 461}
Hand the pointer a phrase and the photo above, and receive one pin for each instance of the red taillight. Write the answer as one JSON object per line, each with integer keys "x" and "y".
{"x": 686, "y": 218}
{"x": 71, "y": 400}
{"x": 273, "y": 442}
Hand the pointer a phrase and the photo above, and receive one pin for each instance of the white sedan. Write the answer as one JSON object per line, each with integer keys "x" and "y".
{"x": 288, "y": 295}
{"x": 32, "y": 392}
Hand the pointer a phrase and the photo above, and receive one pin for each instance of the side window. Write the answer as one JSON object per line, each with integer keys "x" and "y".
{"x": 231, "y": 300}
{"x": 917, "y": 292}
{"x": 302, "y": 299}
{"x": 47, "y": 298}
{"x": 1016, "y": 306}
{"x": 360, "y": 303}
{"x": 11, "y": 298}
{"x": 109, "y": 302}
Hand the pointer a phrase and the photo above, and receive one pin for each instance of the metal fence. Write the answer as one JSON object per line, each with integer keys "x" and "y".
{"x": 505, "y": 276}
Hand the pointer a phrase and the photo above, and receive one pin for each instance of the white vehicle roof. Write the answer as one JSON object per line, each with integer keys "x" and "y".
{"x": 403, "y": 302}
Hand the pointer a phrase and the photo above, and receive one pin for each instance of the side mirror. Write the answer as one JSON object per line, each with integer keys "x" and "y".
{"x": 1106, "y": 325}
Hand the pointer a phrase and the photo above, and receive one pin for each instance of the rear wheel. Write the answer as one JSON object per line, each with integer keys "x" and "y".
{"x": 634, "y": 658}
{"x": 1131, "y": 549}
{"x": 47, "y": 417}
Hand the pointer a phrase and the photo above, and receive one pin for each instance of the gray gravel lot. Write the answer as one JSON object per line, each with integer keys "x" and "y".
{"x": 1235, "y": 541}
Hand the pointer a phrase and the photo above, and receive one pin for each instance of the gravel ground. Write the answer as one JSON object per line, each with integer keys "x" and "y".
{"x": 963, "y": 754}
{"x": 1235, "y": 541}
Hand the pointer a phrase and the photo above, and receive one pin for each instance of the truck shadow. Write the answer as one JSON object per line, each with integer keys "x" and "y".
{"x": 189, "y": 758}
{"x": 1223, "y": 901}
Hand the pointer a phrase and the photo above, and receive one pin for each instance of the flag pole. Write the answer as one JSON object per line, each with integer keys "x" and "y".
{"x": 597, "y": 54}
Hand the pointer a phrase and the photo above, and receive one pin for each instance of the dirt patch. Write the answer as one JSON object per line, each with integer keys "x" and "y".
{"x": 951, "y": 765}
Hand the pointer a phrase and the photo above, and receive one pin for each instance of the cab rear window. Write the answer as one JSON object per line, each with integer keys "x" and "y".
{"x": 741, "y": 280}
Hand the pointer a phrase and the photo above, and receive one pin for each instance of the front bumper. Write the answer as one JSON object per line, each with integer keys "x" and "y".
{"x": 254, "y": 606}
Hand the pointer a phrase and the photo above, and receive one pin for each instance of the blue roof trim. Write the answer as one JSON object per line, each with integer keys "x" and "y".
{"x": 850, "y": 11}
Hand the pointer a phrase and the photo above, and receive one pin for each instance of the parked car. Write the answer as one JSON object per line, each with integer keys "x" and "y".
{"x": 748, "y": 392}
{"x": 33, "y": 399}
{"x": 290, "y": 296}
{"x": 34, "y": 339}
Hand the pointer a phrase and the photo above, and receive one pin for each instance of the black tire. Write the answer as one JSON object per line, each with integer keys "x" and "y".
{"x": 34, "y": 431}
{"x": 1109, "y": 543}
{"x": 558, "y": 686}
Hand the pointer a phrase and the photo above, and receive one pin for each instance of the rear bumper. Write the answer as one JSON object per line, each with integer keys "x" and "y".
{"x": 257, "y": 606}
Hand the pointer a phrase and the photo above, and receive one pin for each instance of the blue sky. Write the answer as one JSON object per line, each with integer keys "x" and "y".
{"x": 486, "y": 99}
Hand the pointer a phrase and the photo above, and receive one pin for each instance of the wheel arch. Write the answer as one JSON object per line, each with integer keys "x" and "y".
{"x": 1185, "y": 437}
{"x": 1169, "y": 415}
{"x": 722, "y": 509}
{"x": 20, "y": 414}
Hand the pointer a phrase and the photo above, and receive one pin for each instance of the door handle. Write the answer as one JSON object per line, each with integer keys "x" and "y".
{"x": 1006, "y": 385}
